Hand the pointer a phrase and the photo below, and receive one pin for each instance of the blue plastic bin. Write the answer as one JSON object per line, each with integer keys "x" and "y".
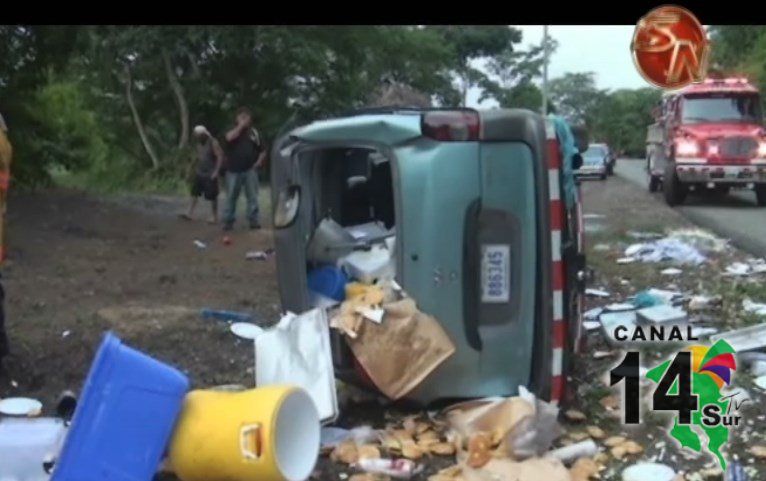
{"x": 328, "y": 281}
{"x": 124, "y": 419}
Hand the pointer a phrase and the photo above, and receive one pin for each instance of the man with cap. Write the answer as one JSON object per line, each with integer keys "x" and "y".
{"x": 208, "y": 167}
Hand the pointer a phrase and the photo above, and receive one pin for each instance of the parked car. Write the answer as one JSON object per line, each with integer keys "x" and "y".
{"x": 611, "y": 156}
{"x": 595, "y": 162}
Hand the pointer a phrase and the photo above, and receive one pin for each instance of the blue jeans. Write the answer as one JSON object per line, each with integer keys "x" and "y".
{"x": 234, "y": 183}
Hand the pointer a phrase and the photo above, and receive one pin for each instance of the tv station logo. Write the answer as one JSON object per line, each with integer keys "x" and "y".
{"x": 670, "y": 47}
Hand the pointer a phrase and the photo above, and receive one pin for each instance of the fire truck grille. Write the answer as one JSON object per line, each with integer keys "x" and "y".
{"x": 738, "y": 147}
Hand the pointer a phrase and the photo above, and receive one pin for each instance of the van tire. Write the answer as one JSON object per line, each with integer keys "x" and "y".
{"x": 760, "y": 194}
{"x": 603, "y": 177}
{"x": 672, "y": 188}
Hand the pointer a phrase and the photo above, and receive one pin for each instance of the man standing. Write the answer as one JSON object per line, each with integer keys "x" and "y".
{"x": 244, "y": 155}
{"x": 6, "y": 152}
{"x": 205, "y": 182}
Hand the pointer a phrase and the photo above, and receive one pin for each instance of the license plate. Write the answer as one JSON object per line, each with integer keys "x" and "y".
{"x": 495, "y": 273}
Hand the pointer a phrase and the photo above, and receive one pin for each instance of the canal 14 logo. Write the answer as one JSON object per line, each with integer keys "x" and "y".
{"x": 689, "y": 384}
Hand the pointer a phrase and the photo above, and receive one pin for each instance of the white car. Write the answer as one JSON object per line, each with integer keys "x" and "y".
{"x": 595, "y": 162}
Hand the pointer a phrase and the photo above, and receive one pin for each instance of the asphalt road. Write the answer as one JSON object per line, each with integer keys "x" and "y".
{"x": 736, "y": 216}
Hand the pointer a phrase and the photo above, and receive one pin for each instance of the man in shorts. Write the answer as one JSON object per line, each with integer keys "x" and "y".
{"x": 208, "y": 168}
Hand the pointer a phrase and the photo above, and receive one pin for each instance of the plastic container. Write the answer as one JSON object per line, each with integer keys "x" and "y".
{"x": 124, "y": 418}
{"x": 369, "y": 266}
{"x": 266, "y": 434}
{"x": 371, "y": 231}
{"x": 328, "y": 281}
{"x": 27, "y": 445}
{"x": 329, "y": 243}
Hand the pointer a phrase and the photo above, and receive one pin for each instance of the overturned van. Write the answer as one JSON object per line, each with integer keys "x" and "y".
{"x": 464, "y": 210}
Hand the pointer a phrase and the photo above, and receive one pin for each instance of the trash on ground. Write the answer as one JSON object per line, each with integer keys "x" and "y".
{"x": 20, "y": 406}
{"x": 297, "y": 352}
{"x": 671, "y": 271}
{"x": 246, "y": 330}
{"x": 396, "y": 468}
{"x": 760, "y": 382}
{"x": 200, "y": 244}
{"x": 609, "y": 321}
{"x": 591, "y": 325}
{"x": 66, "y": 333}
{"x": 703, "y": 331}
{"x": 757, "y": 308}
{"x": 374, "y": 265}
{"x": 596, "y": 292}
{"x": 592, "y": 314}
{"x": 751, "y": 338}
{"x": 572, "y": 452}
{"x": 648, "y": 472}
{"x": 575, "y": 415}
{"x": 585, "y": 469}
{"x": 668, "y": 297}
{"x": 699, "y": 303}
{"x": 662, "y": 314}
{"x": 319, "y": 300}
{"x": 601, "y": 247}
{"x": 282, "y": 421}
{"x": 700, "y": 239}
{"x": 224, "y": 315}
{"x": 130, "y": 399}
{"x": 26, "y": 444}
{"x": 739, "y": 269}
{"x": 498, "y": 469}
{"x": 602, "y": 354}
{"x": 398, "y": 353}
{"x": 644, "y": 235}
{"x": 620, "y": 307}
{"x": 646, "y": 299}
{"x": 226, "y": 240}
{"x": 735, "y": 472}
{"x": 593, "y": 216}
{"x": 259, "y": 255}
{"x": 626, "y": 448}
{"x": 626, "y": 260}
{"x": 667, "y": 249}
{"x": 329, "y": 281}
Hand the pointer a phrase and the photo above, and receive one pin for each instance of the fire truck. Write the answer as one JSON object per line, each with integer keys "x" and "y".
{"x": 708, "y": 138}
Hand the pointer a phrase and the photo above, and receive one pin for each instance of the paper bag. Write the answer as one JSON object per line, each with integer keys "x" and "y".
{"x": 400, "y": 352}
{"x": 297, "y": 352}
{"x": 535, "y": 469}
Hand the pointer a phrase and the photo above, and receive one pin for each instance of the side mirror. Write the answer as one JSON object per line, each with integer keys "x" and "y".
{"x": 576, "y": 161}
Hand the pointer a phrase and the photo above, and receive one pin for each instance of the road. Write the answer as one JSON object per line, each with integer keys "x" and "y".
{"x": 736, "y": 216}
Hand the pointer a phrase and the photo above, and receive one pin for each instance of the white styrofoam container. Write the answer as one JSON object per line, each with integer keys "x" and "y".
{"x": 369, "y": 266}
{"x": 26, "y": 443}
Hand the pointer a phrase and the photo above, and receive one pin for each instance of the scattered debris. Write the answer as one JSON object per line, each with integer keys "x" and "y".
{"x": 575, "y": 451}
{"x": 592, "y": 314}
{"x": 648, "y": 471}
{"x": 596, "y": 293}
{"x": 297, "y": 352}
{"x": 548, "y": 469}
{"x": 20, "y": 406}
{"x": 666, "y": 249}
{"x": 703, "y": 331}
{"x": 749, "y": 338}
{"x": 259, "y": 255}
{"x": 226, "y": 240}
{"x": 224, "y": 315}
{"x": 602, "y": 354}
{"x": 760, "y": 382}
{"x": 738, "y": 269}
{"x": 646, "y": 299}
{"x": 610, "y": 321}
{"x": 200, "y": 244}
{"x": 575, "y": 415}
{"x": 66, "y": 333}
{"x": 662, "y": 314}
{"x": 596, "y": 432}
{"x": 699, "y": 303}
{"x": 593, "y": 216}
{"x": 620, "y": 307}
{"x": 758, "y": 451}
{"x": 671, "y": 271}
{"x": 591, "y": 325}
{"x": 396, "y": 468}
{"x": 601, "y": 247}
{"x": 246, "y": 330}
{"x": 626, "y": 260}
{"x": 700, "y": 239}
{"x": 756, "y": 308}
{"x": 644, "y": 235}
{"x": 584, "y": 469}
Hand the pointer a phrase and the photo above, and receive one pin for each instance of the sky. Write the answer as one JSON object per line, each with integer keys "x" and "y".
{"x": 604, "y": 50}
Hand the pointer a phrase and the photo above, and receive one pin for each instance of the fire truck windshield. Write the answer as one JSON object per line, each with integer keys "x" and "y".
{"x": 725, "y": 107}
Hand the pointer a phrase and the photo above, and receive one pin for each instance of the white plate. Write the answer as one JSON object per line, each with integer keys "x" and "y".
{"x": 20, "y": 406}
{"x": 648, "y": 472}
{"x": 495, "y": 273}
{"x": 246, "y": 330}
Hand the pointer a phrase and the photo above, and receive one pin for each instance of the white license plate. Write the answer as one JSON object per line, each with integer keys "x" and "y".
{"x": 495, "y": 273}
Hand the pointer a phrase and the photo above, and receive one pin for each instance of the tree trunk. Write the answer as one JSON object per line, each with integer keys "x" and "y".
{"x": 178, "y": 91}
{"x": 137, "y": 118}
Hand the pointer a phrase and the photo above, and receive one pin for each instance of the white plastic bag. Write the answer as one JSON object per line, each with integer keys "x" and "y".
{"x": 297, "y": 352}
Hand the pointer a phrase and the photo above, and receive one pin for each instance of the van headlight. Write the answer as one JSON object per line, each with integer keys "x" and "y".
{"x": 286, "y": 210}
{"x": 687, "y": 148}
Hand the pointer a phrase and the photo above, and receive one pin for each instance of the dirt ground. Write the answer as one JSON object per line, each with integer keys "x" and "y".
{"x": 80, "y": 266}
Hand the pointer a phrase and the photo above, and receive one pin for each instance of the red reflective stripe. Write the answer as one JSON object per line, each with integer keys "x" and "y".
{"x": 559, "y": 333}
{"x": 557, "y": 219}
{"x": 554, "y": 156}
{"x": 557, "y": 388}
{"x": 558, "y": 276}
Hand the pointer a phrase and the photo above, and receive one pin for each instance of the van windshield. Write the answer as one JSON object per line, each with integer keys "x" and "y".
{"x": 726, "y": 107}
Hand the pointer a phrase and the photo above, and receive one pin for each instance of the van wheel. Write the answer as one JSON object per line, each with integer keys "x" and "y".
{"x": 603, "y": 177}
{"x": 675, "y": 191}
{"x": 760, "y": 194}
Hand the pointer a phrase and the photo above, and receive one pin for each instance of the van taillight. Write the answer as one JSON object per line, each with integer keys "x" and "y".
{"x": 451, "y": 125}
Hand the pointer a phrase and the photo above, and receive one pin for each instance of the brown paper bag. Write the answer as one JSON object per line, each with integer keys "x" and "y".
{"x": 399, "y": 353}
{"x": 534, "y": 469}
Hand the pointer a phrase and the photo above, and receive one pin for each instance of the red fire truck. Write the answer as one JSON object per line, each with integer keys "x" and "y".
{"x": 708, "y": 138}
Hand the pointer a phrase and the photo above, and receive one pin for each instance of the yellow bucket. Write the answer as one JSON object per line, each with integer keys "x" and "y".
{"x": 265, "y": 434}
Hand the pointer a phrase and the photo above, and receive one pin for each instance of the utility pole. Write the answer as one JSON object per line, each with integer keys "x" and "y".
{"x": 545, "y": 69}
